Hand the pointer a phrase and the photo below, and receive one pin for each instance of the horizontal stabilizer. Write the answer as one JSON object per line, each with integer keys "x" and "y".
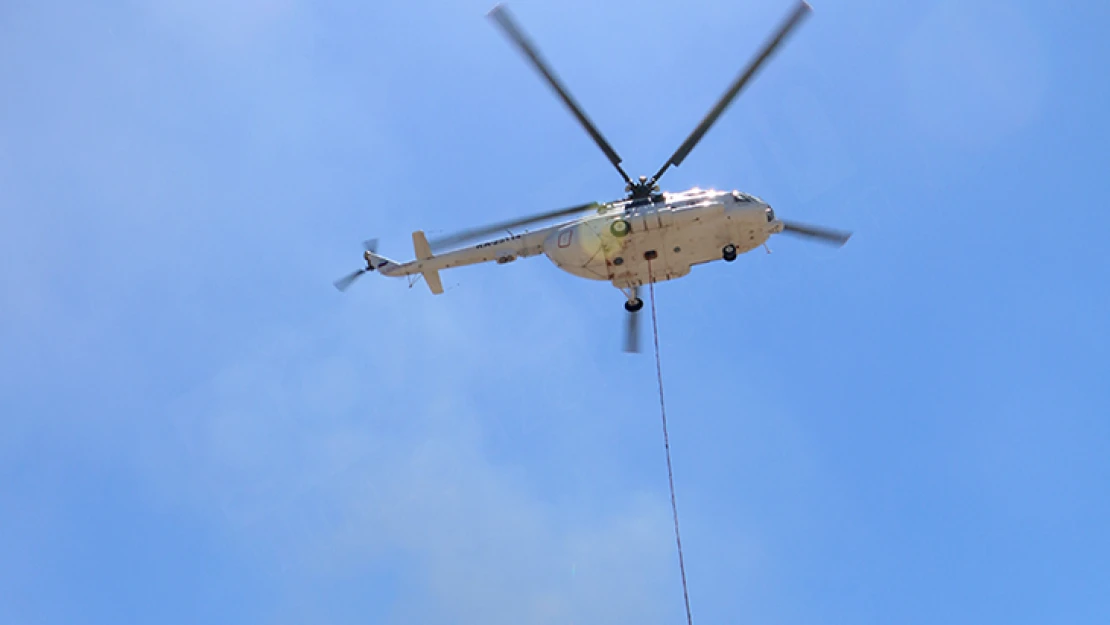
{"x": 424, "y": 252}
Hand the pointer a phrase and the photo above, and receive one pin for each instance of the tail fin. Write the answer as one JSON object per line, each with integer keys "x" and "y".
{"x": 424, "y": 252}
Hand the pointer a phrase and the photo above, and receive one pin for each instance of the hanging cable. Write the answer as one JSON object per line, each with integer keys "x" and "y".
{"x": 667, "y": 445}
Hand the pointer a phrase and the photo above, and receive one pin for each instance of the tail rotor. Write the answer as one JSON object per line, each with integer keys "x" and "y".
{"x": 371, "y": 247}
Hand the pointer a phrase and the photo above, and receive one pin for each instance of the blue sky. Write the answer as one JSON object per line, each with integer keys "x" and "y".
{"x": 196, "y": 427}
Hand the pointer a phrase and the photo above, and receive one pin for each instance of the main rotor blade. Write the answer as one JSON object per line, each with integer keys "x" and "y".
{"x": 769, "y": 48}
{"x": 822, "y": 234}
{"x": 501, "y": 15}
{"x": 476, "y": 233}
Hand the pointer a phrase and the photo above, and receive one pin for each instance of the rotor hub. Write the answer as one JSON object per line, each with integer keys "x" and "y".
{"x": 642, "y": 189}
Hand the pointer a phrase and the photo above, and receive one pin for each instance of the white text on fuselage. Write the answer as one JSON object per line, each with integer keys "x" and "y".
{"x": 497, "y": 242}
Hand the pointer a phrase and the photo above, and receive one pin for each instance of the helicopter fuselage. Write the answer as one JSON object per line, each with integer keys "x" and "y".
{"x": 646, "y": 237}
{"x": 628, "y": 242}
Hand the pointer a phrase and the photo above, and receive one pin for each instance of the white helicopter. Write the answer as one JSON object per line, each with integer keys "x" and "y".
{"x": 648, "y": 236}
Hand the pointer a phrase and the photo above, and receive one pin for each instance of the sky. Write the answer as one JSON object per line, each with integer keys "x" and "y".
{"x": 195, "y": 426}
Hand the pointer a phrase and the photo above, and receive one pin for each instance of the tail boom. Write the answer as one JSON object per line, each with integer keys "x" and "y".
{"x": 429, "y": 265}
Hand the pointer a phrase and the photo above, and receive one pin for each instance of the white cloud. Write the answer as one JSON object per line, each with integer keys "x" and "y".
{"x": 322, "y": 460}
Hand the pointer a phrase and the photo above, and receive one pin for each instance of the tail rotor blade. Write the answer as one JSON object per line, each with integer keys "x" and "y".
{"x": 348, "y": 279}
{"x": 818, "y": 233}
{"x": 371, "y": 245}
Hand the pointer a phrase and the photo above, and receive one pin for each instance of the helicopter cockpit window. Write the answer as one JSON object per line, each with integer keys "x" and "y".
{"x": 770, "y": 214}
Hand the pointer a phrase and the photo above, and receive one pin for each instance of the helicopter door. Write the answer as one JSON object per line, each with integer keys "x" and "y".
{"x": 649, "y": 218}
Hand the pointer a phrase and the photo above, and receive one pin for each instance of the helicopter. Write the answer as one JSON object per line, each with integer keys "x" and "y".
{"x": 647, "y": 236}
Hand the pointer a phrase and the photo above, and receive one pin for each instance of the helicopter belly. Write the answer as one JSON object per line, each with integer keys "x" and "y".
{"x": 668, "y": 249}
{"x": 652, "y": 255}
{"x": 629, "y": 249}
{"x": 579, "y": 250}
{"x": 693, "y": 238}
{"x": 745, "y": 229}
{"x": 613, "y": 249}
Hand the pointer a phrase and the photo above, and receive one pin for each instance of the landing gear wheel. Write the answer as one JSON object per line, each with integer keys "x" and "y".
{"x": 729, "y": 253}
{"x": 634, "y": 305}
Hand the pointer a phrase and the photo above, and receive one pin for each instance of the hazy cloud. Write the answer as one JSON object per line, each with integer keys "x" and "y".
{"x": 323, "y": 465}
